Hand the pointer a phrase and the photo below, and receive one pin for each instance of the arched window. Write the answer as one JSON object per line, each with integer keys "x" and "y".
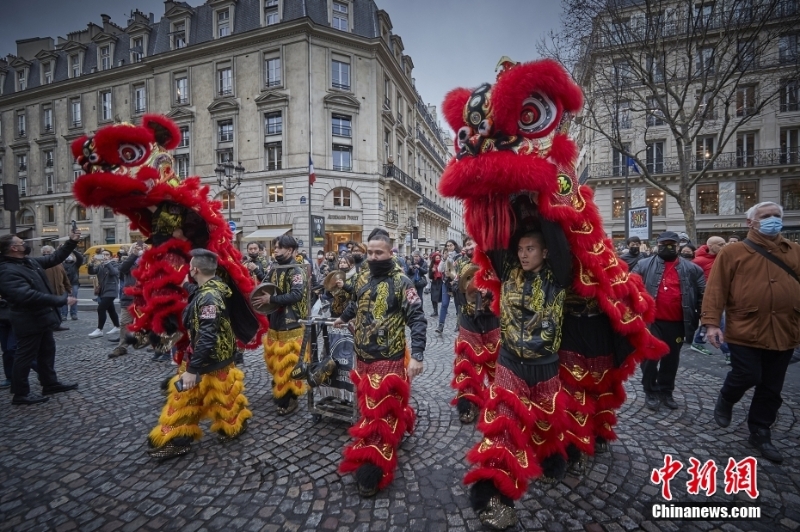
{"x": 26, "y": 217}
{"x": 228, "y": 200}
{"x": 341, "y": 197}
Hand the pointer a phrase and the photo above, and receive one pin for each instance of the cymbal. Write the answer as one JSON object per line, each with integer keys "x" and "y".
{"x": 260, "y": 290}
{"x": 330, "y": 279}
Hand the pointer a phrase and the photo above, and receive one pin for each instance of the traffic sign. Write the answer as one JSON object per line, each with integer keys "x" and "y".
{"x": 232, "y": 225}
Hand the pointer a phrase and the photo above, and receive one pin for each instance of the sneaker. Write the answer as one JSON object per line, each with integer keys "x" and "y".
{"x": 669, "y": 401}
{"x": 440, "y": 328}
{"x": 652, "y": 401}
{"x": 5, "y": 384}
{"x": 74, "y": 318}
{"x": 115, "y": 330}
{"x": 728, "y": 358}
{"x": 97, "y": 333}
{"x": 700, "y": 349}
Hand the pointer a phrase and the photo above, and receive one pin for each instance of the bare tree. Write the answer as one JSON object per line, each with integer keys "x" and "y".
{"x": 694, "y": 71}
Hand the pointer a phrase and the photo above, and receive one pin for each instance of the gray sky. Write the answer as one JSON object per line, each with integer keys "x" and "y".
{"x": 453, "y": 43}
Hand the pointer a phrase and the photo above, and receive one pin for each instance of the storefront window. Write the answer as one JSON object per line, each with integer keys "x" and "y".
{"x": 657, "y": 201}
{"x": 708, "y": 198}
{"x": 790, "y": 194}
{"x": 746, "y": 195}
{"x": 618, "y": 202}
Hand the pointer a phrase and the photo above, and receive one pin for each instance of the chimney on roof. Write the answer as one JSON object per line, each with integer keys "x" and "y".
{"x": 152, "y": 19}
{"x": 106, "y": 19}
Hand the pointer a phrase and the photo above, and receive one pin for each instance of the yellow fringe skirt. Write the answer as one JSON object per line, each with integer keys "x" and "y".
{"x": 281, "y": 353}
{"x": 217, "y": 396}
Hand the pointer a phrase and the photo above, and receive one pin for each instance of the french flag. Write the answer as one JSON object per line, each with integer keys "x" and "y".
{"x": 311, "y": 175}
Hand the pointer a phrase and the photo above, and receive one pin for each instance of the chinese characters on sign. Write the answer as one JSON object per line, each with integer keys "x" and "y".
{"x": 738, "y": 476}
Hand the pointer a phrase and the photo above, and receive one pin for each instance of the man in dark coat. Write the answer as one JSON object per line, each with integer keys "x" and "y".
{"x": 34, "y": 314}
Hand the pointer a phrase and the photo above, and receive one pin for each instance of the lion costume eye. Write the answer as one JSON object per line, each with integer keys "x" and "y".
{"x": 131, "y": 153}
{"x": 463, "y": 135}
{"x": 537, "y": 114}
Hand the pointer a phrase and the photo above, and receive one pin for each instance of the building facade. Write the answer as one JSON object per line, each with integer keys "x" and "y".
{"x": 261, "y": 84}
{"x": 759, "y": 160}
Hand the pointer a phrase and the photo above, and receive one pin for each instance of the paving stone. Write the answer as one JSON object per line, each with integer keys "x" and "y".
{"x": 282, "y": 474}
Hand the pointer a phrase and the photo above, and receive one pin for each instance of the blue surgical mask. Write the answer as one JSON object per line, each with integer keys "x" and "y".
{"x": 770, "y": 226}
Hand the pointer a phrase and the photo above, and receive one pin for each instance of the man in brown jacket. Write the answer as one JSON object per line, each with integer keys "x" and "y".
{"x": 58, "y": 279}
{"x": 762, "y": 306}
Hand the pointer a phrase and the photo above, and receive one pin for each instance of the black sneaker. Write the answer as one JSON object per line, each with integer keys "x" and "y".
{"x": 652, "y": 401}
{"x": 58, "y": 388}
{"x": 29, "y": 399}
{"x": 762, "y": 441}
{"x": 170, "y": 450}
{"x": 669, "y": 401}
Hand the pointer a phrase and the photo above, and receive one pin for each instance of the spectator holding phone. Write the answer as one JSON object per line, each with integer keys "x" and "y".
{"x": 34, "y": 315}
{"x": 107, "y": 271}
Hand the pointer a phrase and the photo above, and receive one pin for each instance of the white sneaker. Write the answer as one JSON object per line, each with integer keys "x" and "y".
{"x": 115, "y": 330}
{"x": 96, "y": 334}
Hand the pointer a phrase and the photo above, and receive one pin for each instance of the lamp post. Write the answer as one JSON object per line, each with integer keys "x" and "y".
{"x": 226, "y": 181}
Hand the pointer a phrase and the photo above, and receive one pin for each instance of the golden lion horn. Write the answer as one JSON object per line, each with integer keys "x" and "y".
{"x": 505, "y": 63}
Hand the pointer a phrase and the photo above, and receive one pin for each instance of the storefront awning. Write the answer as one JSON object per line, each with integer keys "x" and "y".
{"x": 268, "y": 233}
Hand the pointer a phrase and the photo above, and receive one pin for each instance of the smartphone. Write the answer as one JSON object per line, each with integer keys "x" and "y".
{"x": 179, "y": 385}
{"x": 74, "y": 226}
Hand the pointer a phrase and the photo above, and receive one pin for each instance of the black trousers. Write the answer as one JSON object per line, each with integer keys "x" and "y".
{"x": 106, "y": 305}
{"x": 764, "y": 369}
{"x": 40, "y": 347}
{"x": 658, "y": 376}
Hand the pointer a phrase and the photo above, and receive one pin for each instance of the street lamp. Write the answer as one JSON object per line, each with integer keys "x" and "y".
{"x": 226, "y": 182}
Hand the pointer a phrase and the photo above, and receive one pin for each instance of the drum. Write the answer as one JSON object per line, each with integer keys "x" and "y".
{"x": 260, "y": 290}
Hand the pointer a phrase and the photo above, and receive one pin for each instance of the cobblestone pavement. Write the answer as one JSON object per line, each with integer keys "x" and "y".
{"x": 78, "y": 462}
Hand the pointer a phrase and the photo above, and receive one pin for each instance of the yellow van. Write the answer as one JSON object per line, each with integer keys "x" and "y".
{"x": 83, "y": 272}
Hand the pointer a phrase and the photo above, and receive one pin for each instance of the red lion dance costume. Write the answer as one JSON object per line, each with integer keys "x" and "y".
{"x": 129, "y": 169}
{"x": 515, "y": 171}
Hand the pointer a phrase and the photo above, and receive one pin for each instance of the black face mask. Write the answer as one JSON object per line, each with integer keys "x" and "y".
{"x": 687, "y": 256}
{"x": 27, "y": 248}
{"x": 284, "y": 260}
{"x": 668, "y": 252}
{"x": 253, "y": 255}
{"x": 633, "y": 251}
{"x": 358, "y": 257}
{"x": 380, "y": 268}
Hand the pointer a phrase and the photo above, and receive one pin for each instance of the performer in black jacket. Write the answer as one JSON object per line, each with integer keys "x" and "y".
{"x": 384, "y": 302}
{"x": 211, "y": 386}
{"x": 283, "y": 341}
{"x": 34, "y": 314}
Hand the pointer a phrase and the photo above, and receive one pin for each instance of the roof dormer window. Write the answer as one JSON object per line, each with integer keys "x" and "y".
{"x": 22, "y": 80}
{"x": 223, "y": 22}
{"x": 179, "y": 35}
{"x": 340, "y": 18}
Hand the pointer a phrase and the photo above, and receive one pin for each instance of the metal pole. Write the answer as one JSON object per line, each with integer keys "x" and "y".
{"x": 13, "y": 223}
{"x": 627, "y": 206}
{"x": 310, "y": 150}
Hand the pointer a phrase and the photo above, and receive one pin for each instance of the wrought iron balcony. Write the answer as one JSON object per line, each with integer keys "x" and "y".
{"x": 725, "y": 161}
{"x": 431, "y": 206}
{"x": 425, "y": 142}
{"x": 393, "y": 172}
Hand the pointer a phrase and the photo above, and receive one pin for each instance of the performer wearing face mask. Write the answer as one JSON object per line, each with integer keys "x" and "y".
{"x": 677, "y": 285}
{"x": 283, "y": 342}
{"x": 384, "y": 302}
{"x": 255, "y": 262}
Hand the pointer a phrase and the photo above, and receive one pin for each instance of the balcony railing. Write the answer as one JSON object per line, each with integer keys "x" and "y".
{"x": 393, "y": 172}
{"x": 696, "y": 23}
{"x": 425, "y": 142}
{"x": 431, "y": 206}
{"x": 725, "y": 161}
